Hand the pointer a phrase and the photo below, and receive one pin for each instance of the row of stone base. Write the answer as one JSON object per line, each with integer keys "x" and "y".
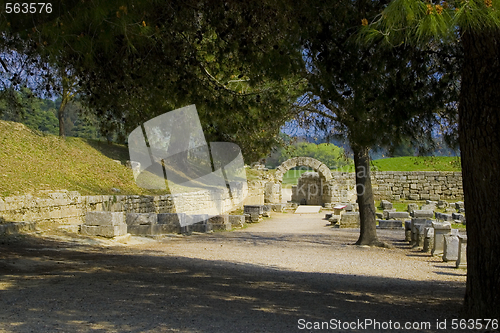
{"x": 112, "y": 224}
{"x": 438, "y": 238}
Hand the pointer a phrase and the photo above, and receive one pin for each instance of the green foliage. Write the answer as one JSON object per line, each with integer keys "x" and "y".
{"x": 41, "y": 115}
{"x": 326, "y": 153}
{"x": 145, "y": 58}
{"x": 420, "y": 22}
{"x": 370, "y": 95}
{"x": 36, "y": 113}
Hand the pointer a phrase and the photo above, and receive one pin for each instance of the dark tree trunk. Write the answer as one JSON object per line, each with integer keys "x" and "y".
{"x": 64, "y": 101}
{"x": 368, "y": 228}
{"x": 60, "y": 116}
{"x": 479, "y": 123}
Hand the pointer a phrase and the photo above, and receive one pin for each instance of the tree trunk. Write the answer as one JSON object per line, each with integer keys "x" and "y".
{"x": 60, "y": 116}
{"x": 479, "y": 122}
{"x": 368, "y": 228}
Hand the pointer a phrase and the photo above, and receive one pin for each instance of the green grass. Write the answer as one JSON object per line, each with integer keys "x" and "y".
{"x": 35, "y": 163}
{"x": 412, "y": 163}
{"x": 32, "y": 161}
{"x": 291, "y": 176}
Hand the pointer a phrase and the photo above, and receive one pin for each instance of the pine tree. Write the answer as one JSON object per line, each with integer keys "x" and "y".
{"x": 475, "y": 24}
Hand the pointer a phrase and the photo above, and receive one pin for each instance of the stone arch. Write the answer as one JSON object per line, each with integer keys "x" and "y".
{"x": 313, "y": 163}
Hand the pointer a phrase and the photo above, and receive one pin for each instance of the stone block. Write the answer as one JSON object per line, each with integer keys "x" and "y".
{"x": 334, "y": 219}
{"x": 411, "y": 207}
{"x": 423, "y": 214}
{"x": 428, "y": 239}
{"x": 440, "y": 229}
{"x": 139, "y": 229}
{"x": 253, "y": 209}
{"x": 162, "y": 229}
{"x": 140, "y": 218}
{"x": 462, "y": 252}
{"x": 428, "y": 207}
{"x": 349, "y": 220}
{"x": 386, "y": 213}
{"x": 220, "y": 222}
{"x": 379, "y": 216}
{"x": 459, "y": 204}
{"x": 414, "y": 196}
{"x": 443, "y": 204}
{"x": 278, "y": 207}
{"x": 176, "y": 219}
{"x": 443, "y": 217}
{"x": 16, "y": 227}
{"x": 237, "y": 221}
{"x": 390, "y": 224}
{"x": 417, "y": 229}
{"x": 450, "y": 249}
{"x": 104, "y": 230}
{"x": 459, "y": 217}
{"x": 252, "y": 218}
{"x": 397, "y": 215}
{"x": 104, "y": 219}
{"x": 204, "y": 226}
{"x": 408, "y": 231}
{"x": 384, "y": 204}
{"x": 420, "y": 233}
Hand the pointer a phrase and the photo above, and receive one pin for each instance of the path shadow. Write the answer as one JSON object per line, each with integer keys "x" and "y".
{"x": 58, "y": 286}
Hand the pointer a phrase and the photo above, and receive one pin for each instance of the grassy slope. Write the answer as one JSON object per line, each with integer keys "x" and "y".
{"x": 31, "y": 161}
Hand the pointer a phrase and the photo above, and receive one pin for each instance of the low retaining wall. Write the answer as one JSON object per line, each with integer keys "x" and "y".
{"x": 65, "y": 207}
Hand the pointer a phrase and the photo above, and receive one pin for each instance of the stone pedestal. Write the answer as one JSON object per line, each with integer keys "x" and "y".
{"x": 428, "y": 239}
{"x": 220, "y": 222}
{"x": 429, "y": 214}
{"x": 462, "y": 252}
{"x": 440, "y": 229}
{"x": 408, "y": 231}
{"x": 450, "y": 250}
{"x": 417, "y": 231}
{"x": 390, "y": 224}
{"x": 349, "y": 220}
{"x": 237, "y": 221}
{"x": 396, "y": 215}
{"x": 253, "y": 209}
{"x": 174, "y": 222}
{"x": 105, "y": 224}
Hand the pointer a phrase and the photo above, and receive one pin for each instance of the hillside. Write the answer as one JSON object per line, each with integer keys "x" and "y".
{"x": 32, "y": 162}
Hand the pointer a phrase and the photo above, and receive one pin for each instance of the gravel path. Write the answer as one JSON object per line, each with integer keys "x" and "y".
{"x": 280, "y": 275}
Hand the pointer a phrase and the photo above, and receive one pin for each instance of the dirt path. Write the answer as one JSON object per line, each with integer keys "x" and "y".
{"x": 264, "y": 278}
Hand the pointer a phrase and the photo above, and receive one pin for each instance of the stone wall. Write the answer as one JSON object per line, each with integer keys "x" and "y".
{"x": 411, "y": 185}
{"x": 66, "y": 207}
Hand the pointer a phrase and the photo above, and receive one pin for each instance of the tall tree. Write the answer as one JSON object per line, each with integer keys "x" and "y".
{"x": 372, "y": 96}
{"x": 137, "y": 59}
{"x": 476, "y": 24}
